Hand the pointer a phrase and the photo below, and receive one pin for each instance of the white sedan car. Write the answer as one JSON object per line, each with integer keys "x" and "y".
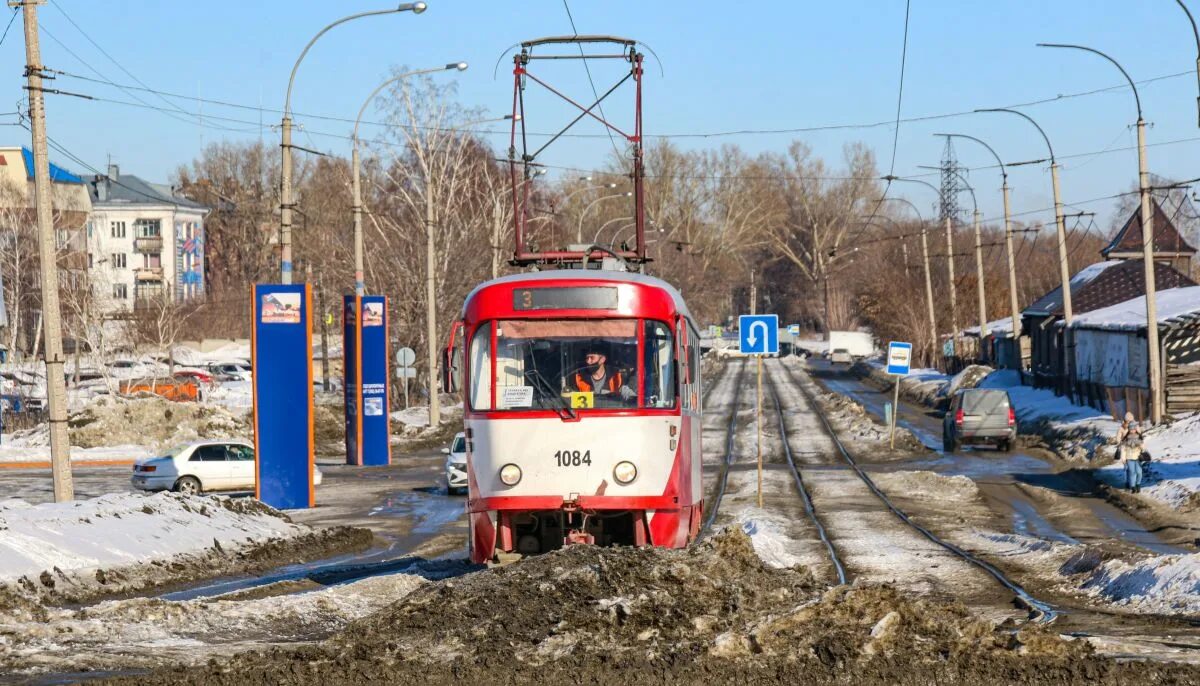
{"x": 201, "y": 466}
{"x": 456, "y": 465}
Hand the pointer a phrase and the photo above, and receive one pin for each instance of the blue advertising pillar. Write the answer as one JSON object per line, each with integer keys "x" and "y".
{"x": 281, "y": 359}
{"x": 366, "y": 367}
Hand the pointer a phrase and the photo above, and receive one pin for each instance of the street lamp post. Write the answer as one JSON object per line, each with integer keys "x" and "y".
{"x": 1152, "y": 353}
{"x": 285, "y": 177}
{"x": 933, "y": 333}
{"x": 596, "y": 239}
{"x": 579, "y": 230}
{"x": 1059, "y": 222}
{"x": 1015, "y": 307}
{"x": 1196, "y": 33}
{"x": 356, "y": 169}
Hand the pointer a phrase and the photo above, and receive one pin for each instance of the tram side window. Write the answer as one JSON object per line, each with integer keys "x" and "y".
{"x": 694, "y": 367}
{"x": 481, "y": 368}
{"x": 660, "y": 384}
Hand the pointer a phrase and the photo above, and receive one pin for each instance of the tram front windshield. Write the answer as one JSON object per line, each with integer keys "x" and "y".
{"x": 571, "y": 364}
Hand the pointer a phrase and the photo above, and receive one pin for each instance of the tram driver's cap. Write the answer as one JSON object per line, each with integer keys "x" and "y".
{"x": 595, "y": 346}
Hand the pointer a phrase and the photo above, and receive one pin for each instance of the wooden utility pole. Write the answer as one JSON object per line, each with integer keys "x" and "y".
{"x": 758, "y": 420}
{"x": 435, "y": 406}
{"x": 933, "y": 333}
{"x": 983, "y": 320}
{"x": 56, "y": 391}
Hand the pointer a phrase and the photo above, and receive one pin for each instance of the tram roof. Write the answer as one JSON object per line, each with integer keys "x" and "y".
{"x": 587, "y": 275}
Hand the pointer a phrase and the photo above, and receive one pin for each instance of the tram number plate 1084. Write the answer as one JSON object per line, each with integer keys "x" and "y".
{"x": 573, "y": 458}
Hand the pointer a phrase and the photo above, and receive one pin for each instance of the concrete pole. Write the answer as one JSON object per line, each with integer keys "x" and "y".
{"x": 285, "y": 204}
{"x": 933, "y": 332}
{"x": 56, "y": 391}
{"x": 1060, "y": 224}
{"x": 435, "y": 409}
{"x": 904, "y": 250}
{"x": 1152, "y": 354}
{"x": 953, "y": 287}
{"x": 360, "y": 287}
{"x": 1012, "y": 268}
{"x": 980, "y": 290}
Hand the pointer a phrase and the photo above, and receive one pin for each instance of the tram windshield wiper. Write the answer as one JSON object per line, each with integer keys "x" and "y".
{"x": 564, "y": 406}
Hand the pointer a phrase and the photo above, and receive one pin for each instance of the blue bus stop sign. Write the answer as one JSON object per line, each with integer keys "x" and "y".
{"x": 758, "y": 334}
{"x": 899, "y": 359}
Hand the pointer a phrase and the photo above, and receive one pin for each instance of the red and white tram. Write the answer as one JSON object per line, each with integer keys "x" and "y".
{"x": 581, "y": 394}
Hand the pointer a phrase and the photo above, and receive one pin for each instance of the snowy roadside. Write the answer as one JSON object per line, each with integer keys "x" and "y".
{"x": 1082, "y": 434}
{"x": 121, "y": 543}
{"x": 1139, "y": 583}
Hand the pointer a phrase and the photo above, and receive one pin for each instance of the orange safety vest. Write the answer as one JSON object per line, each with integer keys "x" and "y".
{"x": 584, "y": 383}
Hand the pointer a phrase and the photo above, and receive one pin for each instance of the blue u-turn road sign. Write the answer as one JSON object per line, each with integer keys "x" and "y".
{"x": 758, "y": 334}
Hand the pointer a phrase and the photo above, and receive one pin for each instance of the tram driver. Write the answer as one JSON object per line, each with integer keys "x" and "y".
{"x": 599, "y": 377}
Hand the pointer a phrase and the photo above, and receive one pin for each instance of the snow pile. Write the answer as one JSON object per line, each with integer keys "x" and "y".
{"x": 56, "y": 541}
{"x": 1165, "y": 584}
{"x": 768, "y": 532}
{"x": 1174, "y": 475}
{"x": 967, "y": 378}
{"x": 416, "y": 417}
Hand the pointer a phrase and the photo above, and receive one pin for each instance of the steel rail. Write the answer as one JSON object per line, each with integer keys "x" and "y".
{"x": 730, "y": 439}
{"x": 1045, "y": 612}
{"x": 809, "y": 509}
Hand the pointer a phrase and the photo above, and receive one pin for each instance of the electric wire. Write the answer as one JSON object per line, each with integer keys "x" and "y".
{"x": 588, "y": 70}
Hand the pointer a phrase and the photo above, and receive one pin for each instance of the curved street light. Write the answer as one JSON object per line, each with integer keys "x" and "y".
{"x": 285, "y": 177}
{"x": 1060, "y": 224}
{"x": 596, "y": 239}
{"x": 1147, "y": 217}
{"x": 1008, "y": 239}
{"x": 359, "y": 284}
{"x": 579, "y": 231}
{"x": 1196, "y": 33}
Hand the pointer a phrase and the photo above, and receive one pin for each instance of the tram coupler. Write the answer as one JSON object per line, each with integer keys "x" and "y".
{"x": 579, "y": 537}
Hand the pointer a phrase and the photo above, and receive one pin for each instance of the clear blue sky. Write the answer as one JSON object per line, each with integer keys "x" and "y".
{"x": 728, "y": 66}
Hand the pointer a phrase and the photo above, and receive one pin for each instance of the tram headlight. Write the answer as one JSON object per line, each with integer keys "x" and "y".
{"x": 510, "y": 474}
{"x": 625, "y": 472}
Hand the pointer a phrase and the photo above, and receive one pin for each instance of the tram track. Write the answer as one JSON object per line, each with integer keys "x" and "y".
{"x": 730, "y": 441}
{"x": 1043, "y": 612}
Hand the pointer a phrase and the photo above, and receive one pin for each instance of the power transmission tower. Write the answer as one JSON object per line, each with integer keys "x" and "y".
{"x": 952, "y": 184}
{"x": 56, "y": 392}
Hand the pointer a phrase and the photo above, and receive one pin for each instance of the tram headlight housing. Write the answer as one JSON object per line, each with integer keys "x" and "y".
{"x": 510, "y": 474}
{"x": 625, "y": 472}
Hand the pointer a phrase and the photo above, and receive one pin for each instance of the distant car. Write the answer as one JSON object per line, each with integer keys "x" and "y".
{"x": 237, "y": 370}
{"x": 730, "y": 352}
{"x": 456, "y": 464}
{"x": 200, "y": 467}
{"x": 980, "y": 415}
{"x": 841, "y": 356}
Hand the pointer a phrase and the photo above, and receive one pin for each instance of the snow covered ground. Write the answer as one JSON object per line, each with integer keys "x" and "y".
{"x": 74, "y": 539}
{"x": 1174, "y": 475}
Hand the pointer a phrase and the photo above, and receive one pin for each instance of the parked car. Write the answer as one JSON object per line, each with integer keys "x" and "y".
{"x": 841, "y": 356}
{"x": 236, "y": 370}
{"x": 980, "y": 415}
{"x": 172, "y": 389}
{"x": 456, "y": 464}
{"x": 201, "y": 466}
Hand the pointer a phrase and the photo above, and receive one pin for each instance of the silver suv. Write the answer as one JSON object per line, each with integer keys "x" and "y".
{"x": 980, "y": 415}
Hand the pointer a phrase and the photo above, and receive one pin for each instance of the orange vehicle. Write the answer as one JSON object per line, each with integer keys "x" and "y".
{"x": 171, "y": 389}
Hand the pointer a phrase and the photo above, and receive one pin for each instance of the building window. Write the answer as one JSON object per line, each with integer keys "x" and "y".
{"x": 120, "y": 292}
{"x": 149, "y": 291}
{"x": 90, "y": 261}
{"x": 147, "y": 228}
{"x": 118, "y": 260}
{"x": 118, "y": 229}
{"x": 151, "y": 260}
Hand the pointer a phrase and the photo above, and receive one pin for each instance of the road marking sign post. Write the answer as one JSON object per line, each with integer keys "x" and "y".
{"x": 404, "y": 369}
{"x": 899, "y": 364}
{"x": 758, "y": 335}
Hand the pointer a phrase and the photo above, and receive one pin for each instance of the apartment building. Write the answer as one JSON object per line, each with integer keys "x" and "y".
{"x": 144, "y": 242}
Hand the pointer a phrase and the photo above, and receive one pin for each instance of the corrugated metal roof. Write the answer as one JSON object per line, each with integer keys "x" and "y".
{"x": 1172, "y": 306}
{"x": 57, "y": 173}
{"x": 1104, "y": 284}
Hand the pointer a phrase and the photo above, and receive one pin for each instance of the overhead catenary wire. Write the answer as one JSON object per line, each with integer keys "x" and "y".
{"x": 591, "y": 82}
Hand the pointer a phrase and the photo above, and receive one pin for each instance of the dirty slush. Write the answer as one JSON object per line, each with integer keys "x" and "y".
{"x": 713, "y": 613}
